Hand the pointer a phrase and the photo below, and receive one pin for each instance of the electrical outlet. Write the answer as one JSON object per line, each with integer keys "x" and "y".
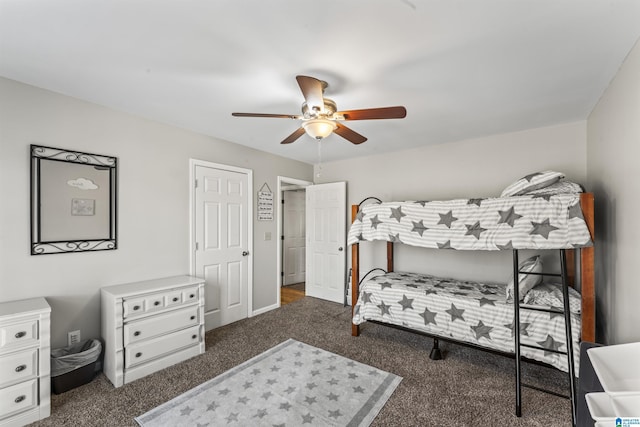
{"x": 73, "y": 337}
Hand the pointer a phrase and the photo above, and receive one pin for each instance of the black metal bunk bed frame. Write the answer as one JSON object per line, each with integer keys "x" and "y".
{"x": 436, "y": 354}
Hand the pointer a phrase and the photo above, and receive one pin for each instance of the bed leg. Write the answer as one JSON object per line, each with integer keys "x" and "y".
{"x": 435, "y": 354}
{"x": 355, "y": 330}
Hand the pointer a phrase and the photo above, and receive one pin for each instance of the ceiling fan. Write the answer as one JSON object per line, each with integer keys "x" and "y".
{"x": 320, "y": 117}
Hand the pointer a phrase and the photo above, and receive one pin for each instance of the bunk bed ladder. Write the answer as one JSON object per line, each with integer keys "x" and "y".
{"x": 567, "y": 320}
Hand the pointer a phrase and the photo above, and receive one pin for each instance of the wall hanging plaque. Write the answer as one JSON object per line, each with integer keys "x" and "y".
{"x": 265, "y": 203}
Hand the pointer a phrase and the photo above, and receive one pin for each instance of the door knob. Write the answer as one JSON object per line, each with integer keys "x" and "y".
{"x": 340, "y": 248}
{"x": 245, "y": 253}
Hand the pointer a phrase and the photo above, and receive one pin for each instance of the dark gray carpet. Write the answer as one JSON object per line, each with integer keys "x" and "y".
{"x": 468, "y": 388}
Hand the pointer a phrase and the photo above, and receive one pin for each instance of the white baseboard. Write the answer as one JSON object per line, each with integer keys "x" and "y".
{"x": 264, "y": 310}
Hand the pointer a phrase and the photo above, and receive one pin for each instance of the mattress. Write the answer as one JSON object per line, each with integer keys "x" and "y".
{"x": 467, "y": 311}
{"x": 522, "y": 222}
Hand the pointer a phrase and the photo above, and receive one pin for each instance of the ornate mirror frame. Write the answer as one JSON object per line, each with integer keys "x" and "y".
{"x": 73, "y": 201}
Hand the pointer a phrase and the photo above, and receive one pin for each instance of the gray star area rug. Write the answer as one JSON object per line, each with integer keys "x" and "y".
{"x": 291, "y": 384}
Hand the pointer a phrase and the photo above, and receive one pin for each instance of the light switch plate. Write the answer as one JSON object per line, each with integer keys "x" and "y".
{"x": 267, "y": 235}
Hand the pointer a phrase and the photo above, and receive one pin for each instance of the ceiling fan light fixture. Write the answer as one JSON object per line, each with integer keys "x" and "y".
{"x": 320, "y": 116}
{"x": 319, "y": 128}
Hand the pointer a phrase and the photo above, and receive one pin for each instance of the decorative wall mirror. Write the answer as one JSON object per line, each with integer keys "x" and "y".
{"x": 73, "y": 201}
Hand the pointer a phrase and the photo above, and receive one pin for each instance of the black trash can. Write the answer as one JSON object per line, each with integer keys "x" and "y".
{"x": 74, "y": 366}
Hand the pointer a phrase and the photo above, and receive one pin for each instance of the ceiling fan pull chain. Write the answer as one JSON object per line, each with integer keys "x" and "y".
{"x": 319, "y": 174}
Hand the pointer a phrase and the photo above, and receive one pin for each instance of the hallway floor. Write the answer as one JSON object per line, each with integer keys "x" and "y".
{"x": 291, "y": 293}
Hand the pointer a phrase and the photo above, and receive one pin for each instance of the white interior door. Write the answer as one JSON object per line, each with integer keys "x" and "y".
{"x": 294, "y": 237}
{"x": 221, "y": 237}
{"x": 326, "y": 213}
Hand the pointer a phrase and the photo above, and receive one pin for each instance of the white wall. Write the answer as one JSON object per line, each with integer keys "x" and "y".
{"x": 613, "y": 151}
{"x": 480, "y": 167}
{"x": 153, "y": 217}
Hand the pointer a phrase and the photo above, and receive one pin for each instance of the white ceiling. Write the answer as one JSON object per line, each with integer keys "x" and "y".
{"x": 462, "y": 68}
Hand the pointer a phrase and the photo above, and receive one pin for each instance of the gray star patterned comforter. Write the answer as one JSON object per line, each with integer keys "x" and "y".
{"x": 466, "y": 311}
{"x": 522, "y": 222}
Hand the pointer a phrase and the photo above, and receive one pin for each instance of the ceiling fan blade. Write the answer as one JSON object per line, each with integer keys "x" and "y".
{"x": 374, "y": 113}
{"x": 350, "y": 135}
{"x": 277, "y": 116}
{"x": 295, "y": 135}
{"x": 312, "y": 89}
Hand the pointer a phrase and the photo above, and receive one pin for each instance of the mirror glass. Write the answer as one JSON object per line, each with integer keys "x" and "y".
{"x": 73, "y": 201}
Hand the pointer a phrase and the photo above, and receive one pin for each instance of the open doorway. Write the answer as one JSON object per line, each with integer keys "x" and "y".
{"x": 293, "y": 245}
{"x": 291, "y": 240}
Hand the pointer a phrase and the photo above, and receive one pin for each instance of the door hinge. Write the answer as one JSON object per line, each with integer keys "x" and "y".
{"x": 195, "y": 184}
{"x": 281, "y": 237}
{"x": 282, "y": 274}
{"x": 197, "y": 246}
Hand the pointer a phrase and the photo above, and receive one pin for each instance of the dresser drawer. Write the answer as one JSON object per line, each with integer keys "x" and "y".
{"x": 173, "y": 299}
{"x": 143, "y": 305}
{"x": 18, "y": 367}
{"x": 18, "y": 398}
{"x": 143, "y": 351}
{"x": 19, "y": 334}
{"x": 148, "y": 304}
{"x": 190, "y": 295}
{"x": 160, "y": 324}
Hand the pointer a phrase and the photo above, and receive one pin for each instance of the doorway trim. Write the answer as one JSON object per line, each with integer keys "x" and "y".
{"x": 282, "y": 181}
{"x": 192, "y": 220}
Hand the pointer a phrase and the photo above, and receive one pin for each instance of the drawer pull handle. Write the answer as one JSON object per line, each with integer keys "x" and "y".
{"x": 138, "y": 354}
{"x": 136, "y": 334}
{"x": 194, "y": 336}
{"x": 175, "y": 299}
{"x": 136, "y": 307}
{"x": 192, "y": 296}
{"x": 21, "y": 368}
{"x": 20, "y": 398}
{"x": 21, "y": 334}
{"x": 156, "y": 303}
{"x": 193, "y": 317}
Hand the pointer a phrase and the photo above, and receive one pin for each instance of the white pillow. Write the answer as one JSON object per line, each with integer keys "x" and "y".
{"x": 532, "y": 182}
{"x": 550, "y": 295}
{"x": 526, "y": 281}
{"x": 560, "y": 187}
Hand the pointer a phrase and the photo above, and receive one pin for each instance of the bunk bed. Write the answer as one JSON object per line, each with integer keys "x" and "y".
{"x": 541, "y": 214}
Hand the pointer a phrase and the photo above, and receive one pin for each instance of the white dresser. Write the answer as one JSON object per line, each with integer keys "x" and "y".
{"x": 25, "y": 364}
{"x": 151, "y": 325}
